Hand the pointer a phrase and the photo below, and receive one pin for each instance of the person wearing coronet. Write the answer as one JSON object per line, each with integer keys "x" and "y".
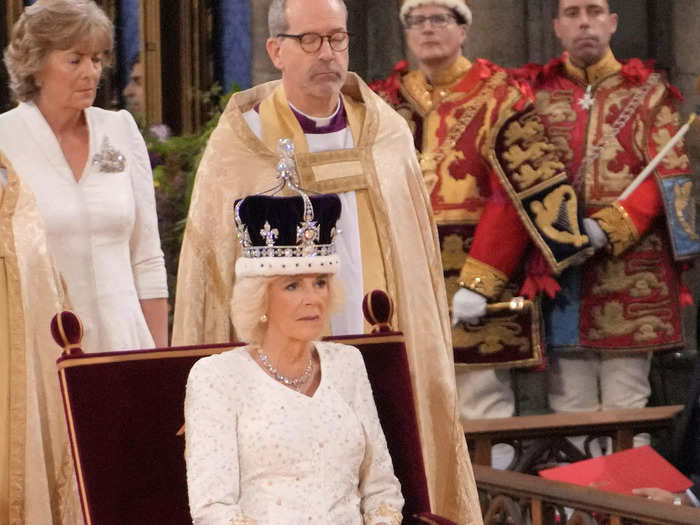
{"x": 610, "y": 119}
{"x": 284, "y": 430}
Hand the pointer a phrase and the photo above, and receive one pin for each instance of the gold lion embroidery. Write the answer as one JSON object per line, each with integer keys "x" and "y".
{"x": 684, "y": 205}
{"x": 666, "y": 117}
{"x": 493, "y": 336}
{"x": 674, "y": 160}
{"x": 612, "y": 278}
{"x": 530, "y": 159}
{"x": 610, "y": 321}
{"x": 556, "y": 216}
{"x": 557, "y": 106}
{"x": 517, "y": 132}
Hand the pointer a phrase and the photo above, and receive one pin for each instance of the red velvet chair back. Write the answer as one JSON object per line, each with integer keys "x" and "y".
{"x": 125, "y": 414}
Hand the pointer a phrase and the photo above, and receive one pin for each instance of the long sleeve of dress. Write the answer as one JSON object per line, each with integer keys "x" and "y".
{"x": 211, "y": 451}
{"x": 380, "y": 492}
{"x": 147, "y": 258}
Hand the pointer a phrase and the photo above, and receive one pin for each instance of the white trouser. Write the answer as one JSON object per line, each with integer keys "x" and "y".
{"x": 487, "y": 394}
{"x": 594, "y": 382}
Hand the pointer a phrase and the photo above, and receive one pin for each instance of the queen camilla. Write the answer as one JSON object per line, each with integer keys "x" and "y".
{"x": 285, "y": 430}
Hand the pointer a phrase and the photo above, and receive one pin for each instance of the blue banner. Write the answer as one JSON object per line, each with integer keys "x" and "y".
{"x": 233, "y": 47}
{"x": 128, "y": 38}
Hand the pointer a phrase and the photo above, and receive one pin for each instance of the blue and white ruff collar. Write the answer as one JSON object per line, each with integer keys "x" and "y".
{"x": 287, "y": 235}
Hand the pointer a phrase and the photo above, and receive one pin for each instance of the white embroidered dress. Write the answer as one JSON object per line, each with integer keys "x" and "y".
{"x": 103, "y": 229}
{"x": 261, "y": 453}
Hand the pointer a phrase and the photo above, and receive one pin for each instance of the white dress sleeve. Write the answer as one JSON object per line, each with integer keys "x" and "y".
{"x": 147, "y": 261}
{"x": 211, "y": 447}
{"x": 380, "y": 491}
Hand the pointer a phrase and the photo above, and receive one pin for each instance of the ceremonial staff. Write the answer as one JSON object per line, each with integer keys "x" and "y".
{"x": 659, "y": 157}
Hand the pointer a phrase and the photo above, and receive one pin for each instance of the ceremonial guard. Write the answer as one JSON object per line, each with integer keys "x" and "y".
{"x": 608, "y": 121}
{"x": 482, "y": 150}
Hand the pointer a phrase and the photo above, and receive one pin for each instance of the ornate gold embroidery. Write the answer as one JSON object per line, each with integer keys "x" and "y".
{"x": 392, "y": 515}
{"x": 557, "y": 109}
{"x": 684, "y": 205}
{"x": 431, "y": 160}
{"x": 621, "y": 231}
{"x": 557, "y": 106}
{"x": 612, "y": 278}
{"x": 415, "y": 87}
{"x": 666, "y": 117}
{"x": 674, "y": 159}
{"x": 482, "y": 278}
{"x": 605, "y": 67}
{"x": 556, "y": 216}
{"x": 611, "y": 181}
{"x": 494, "y": 335}
{"x": 530, "y": 158}
{"x": 424, "y": 96}
{"x": 611, "y": 321}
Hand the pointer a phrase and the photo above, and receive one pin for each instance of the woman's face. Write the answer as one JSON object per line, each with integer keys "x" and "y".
{"x": 298, "y": 306}
{"x": 70, "y": 77}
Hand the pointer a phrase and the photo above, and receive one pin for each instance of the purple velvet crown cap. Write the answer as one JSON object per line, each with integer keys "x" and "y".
{"x": 287, "y": 235}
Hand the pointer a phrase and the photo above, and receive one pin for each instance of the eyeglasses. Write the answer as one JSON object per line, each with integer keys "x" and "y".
{"x": 312, "y": 42}
{"x": 437, "y": 21}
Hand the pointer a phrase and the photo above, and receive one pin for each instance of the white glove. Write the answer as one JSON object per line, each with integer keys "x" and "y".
{"x": 467, "y": 307}
{"x": 595, "y": 233}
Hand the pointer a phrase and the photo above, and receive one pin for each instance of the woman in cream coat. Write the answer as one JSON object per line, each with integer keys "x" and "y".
{"x": 90, "y": 173}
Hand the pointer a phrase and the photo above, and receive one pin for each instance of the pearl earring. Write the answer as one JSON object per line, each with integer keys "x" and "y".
{"x": 263, "y": 318}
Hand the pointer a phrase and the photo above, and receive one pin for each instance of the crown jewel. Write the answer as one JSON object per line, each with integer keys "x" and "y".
{"x": 287, "y": 234}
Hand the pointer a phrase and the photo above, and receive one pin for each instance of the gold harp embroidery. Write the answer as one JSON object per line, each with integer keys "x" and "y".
{"x": 556, "y": 216}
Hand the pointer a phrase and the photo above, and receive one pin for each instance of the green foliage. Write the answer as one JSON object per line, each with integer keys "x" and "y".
{"x": 176, "y": 160}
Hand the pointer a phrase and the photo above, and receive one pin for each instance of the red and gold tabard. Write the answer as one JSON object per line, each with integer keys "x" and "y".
{"x": 457, "y": 121}
{"x": 607, "y": 123}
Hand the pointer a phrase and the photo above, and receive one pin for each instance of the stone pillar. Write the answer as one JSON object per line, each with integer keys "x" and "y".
{"x": 262, "y": 69}
{"x": 686, "y": 52}
{"x": 498, "y": 33}
{"x": 541, "y": 41}
{"x": 684, "y": 74}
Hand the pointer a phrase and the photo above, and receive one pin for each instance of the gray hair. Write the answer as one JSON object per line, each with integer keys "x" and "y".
{"x": 48, "y": 25}
{"x": 250, "y": 299}
{"x": 277, "y": 16}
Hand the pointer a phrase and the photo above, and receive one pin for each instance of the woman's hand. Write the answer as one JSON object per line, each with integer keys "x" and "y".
{"x": 661, "y": 495}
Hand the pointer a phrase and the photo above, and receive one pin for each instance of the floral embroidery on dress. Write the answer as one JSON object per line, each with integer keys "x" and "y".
{"x": 109, "y": 158}
{"x": 243, "y": 520}
{"x": 385, "y": 511}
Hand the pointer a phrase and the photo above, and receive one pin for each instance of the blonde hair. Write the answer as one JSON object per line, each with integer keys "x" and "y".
{"x": 249, "y": 302}
{"x": 48, "y": 25}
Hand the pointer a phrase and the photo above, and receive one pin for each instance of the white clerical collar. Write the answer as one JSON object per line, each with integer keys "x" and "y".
{"x": 321, "y": 122}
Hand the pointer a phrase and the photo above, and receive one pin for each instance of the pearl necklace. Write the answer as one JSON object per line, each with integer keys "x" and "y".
{"x": 294, "y": 382}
